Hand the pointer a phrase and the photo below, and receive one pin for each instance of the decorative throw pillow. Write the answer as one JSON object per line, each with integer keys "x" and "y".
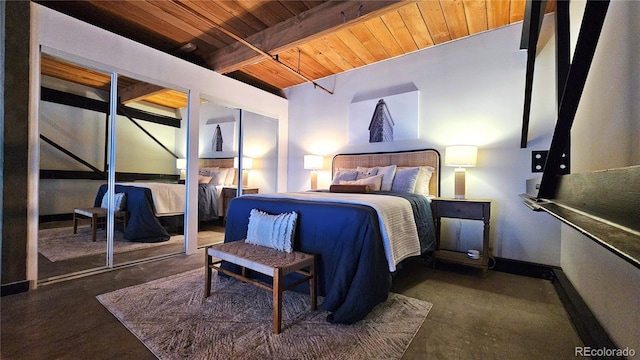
{"x": 364, "y": 172}
{"x": 422, "y": 183}
{"x": 349, "y": 188}
{"x": 120, "y": 201}
{"x": 388, "y": 173}
{"x": 344, "y": 175}
{"x": 405, "y": 179}
{"x": 218, "y": 176}
{"x": 374, "y": 182}
{"x": 274, "y": 231}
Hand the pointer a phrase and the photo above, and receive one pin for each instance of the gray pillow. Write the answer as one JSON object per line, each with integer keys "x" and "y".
{"x": 274, "y": 231}
{"x": 405, "y": 179}
{"x": 344, "y": 175}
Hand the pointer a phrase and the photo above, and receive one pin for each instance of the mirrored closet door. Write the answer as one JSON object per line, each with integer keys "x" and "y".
{"x": 150, "y": 148}
{"x": 79, "y": 144}
{"x": 73, "y": 128}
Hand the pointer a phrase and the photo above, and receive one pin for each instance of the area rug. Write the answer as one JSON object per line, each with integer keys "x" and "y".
{"x": 62, "y": 244}
{"x": 174, "y": 321}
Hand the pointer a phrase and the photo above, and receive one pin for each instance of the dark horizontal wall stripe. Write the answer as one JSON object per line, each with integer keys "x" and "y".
{"x": 14, "y": 288}
{"x": 120, "y": 176}
{"x": 523, "y": 268}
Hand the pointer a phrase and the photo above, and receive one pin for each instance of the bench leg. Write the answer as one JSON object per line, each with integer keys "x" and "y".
{"x": 277, "y": 300}
{"x": 75, "y": 223}
{"x": 207, "y": 274}
{"x": 94, "y": 226}
{"x": 312, "y": 287}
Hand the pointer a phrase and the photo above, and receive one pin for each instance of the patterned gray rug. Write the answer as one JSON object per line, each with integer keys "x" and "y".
{"x": 171, "y": 317}
{"x": 62, "y": 244}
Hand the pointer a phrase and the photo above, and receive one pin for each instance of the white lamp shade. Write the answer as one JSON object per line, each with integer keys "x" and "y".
{"x": 247, "y": 163}
{"x": 461, "y": 155}
{"x": 312, "y": 162}
{"x": 181, "y": 164}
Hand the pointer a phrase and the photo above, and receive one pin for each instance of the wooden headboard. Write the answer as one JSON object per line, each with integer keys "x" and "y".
{"x": 424, "y": 157}
{"x": 218, "y": 162}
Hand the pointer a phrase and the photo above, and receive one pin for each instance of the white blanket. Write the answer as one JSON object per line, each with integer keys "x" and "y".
{"x": 168, "y": 199}
{"x": 397, "y": 224}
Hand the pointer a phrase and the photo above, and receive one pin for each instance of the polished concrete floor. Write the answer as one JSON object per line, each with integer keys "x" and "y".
{"x": 502, "y": 316}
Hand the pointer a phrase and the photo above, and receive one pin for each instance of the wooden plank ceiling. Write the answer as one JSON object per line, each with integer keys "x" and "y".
{"x": 278, "y": 44}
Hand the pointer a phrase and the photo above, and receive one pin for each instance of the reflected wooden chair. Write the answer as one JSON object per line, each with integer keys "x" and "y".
{"x": 98, "y": 217}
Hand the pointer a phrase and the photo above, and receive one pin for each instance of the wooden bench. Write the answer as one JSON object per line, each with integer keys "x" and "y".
{"x": 98, "y": 217}
{"x": 267, "y": 261}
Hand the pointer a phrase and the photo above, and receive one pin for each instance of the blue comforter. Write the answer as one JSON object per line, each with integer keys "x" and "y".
{"x": 353, "y": 274}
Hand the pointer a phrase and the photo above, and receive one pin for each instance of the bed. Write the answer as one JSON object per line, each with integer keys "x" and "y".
{"x": 154, "y": 206}
{"x": 351, "y": 237}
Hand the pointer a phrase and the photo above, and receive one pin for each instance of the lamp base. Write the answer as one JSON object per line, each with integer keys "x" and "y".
{"x": 459, "y": 184}
{"x": 314, "y": 180}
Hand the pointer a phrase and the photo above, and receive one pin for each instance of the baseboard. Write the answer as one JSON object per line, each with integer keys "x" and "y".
{"x": 56, "y": 217}
{"x": 523, "y": 268}
{"x": 587, "y": 326}
{"x": 14, "y": 288}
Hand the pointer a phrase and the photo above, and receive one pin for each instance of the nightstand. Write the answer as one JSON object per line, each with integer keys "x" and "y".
{"x": 229, "y": 192}
{"x": 472, "y": 209}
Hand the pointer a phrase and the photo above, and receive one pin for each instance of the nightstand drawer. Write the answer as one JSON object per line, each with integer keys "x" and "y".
{"x": 460, "y": 210}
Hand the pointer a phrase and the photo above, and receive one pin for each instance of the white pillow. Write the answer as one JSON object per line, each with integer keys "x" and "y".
{"x": 422, "y": 183}
{"x": 364, "y": 172}
{"x": 374, "y": 182}
{"x": 204, "y": 179}
{"x": 231, "y": 175}
{"x": 218, "y": 176}
{"x": 405, "y": 179}
{"x": 344, "y": 174}
{"x": 388, "y": 173}
{"x": 120, "y": 201}
{"x": 274, "y": 231}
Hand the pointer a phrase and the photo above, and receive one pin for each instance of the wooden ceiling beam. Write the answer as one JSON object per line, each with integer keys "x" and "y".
{"x": 138, "y": 92}
{"x": 307, "y": 26}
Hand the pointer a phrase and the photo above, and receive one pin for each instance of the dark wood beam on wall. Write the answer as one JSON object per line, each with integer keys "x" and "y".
{"x": 530, "y": 33}
{"x": 590, "y": 29}
{"x": 61, "y": 97}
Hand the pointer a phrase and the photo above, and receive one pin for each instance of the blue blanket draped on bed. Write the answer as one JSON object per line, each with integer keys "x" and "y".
{"x": 353, "y": 274}
{"x": 142, "y": 225}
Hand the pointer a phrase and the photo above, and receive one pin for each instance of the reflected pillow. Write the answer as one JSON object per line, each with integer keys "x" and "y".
{"x": 218, "y": 176}
{"x": 274, "y": 231}
{"x": 206, "y": 170}
{"x": 231, "y": 175}
{"x": 405, "y": 179}
{"x": 204, "y": 179}
{"x": 120, "y": 201}
{"x": 344, "y": 175}
{"x": 374, "y": 182}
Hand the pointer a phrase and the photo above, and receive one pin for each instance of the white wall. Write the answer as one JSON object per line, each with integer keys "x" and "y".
{"x": 471, "y": 92}
{"x": 606, "y": 135}
{"x": 71, "y": 39}
{"x": 603, "y": 135}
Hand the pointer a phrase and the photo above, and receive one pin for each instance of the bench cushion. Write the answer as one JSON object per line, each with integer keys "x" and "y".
{"x": 259, "y": 258}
